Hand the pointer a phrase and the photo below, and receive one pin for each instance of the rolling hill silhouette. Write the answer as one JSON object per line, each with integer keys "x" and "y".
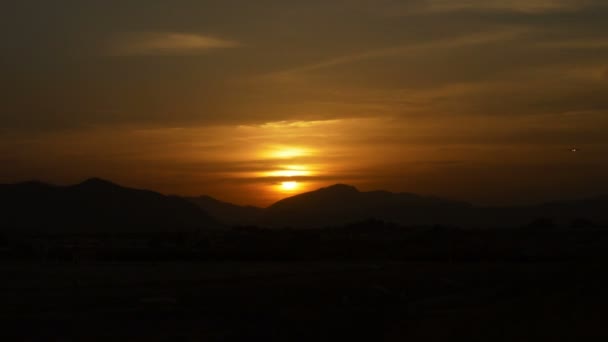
{"x": 228, "y": 213}
{"x": 340, "y": 203}
{"x": 343, "y": 204}
{"x": 94, "y": 206}
{"x": 97, "y": 205}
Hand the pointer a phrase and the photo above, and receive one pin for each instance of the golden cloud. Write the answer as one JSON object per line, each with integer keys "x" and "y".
{"x": 167, "y": 43}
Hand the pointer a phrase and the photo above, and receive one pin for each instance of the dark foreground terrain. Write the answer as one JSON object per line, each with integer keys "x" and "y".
{"x": 367, "y": 281}
{"x": 303, "y": 301}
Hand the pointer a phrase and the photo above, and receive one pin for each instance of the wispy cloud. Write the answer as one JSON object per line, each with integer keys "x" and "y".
{"x": 407, "y": 49}
{"x": 167, "y": 43}
{"x": 522, "y": 6}
{"x": 590, "y": 43}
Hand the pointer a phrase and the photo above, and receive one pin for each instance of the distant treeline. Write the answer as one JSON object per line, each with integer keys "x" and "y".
{"x": 372, "y": 239}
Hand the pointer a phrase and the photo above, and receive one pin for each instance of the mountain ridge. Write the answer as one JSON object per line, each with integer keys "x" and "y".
{"x": 97, "y": 205}
{"x": 96, "y": 202}
{"x": 412, "y": 209}
{"x": 340, "y": 203}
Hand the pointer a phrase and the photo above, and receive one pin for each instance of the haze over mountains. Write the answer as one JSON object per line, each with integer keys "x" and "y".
{"x": 229, "y": 213}
{"x": 97, "y": 205}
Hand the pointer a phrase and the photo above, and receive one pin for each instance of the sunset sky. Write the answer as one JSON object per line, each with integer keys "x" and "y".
{"x": 252, "y": 101}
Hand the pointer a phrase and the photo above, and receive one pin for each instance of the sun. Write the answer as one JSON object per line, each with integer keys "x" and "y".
{"x": 289, "y": 186}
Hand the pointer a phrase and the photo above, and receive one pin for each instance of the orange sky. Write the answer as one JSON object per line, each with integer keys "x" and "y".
{"x": 476, "y": 100}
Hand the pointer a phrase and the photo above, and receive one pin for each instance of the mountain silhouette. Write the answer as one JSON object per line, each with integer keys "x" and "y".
{"x": 96, "y": 205}
{"x": 340, "y": 203}
{"x": 99, "y": 206}
{"x": 228, "y": 213}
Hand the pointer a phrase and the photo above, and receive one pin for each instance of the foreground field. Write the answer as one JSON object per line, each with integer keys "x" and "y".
{"x": 303, "y": 301}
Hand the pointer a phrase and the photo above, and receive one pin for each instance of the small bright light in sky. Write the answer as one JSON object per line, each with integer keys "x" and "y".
{"x": 289, "y": 186}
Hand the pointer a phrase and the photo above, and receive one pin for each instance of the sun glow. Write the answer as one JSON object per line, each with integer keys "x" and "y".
{"x": 283, "y": 152}
{"x": 289, "y": 186}
{"x": 289, "y": 153}
{"x": 290, "y": 171}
